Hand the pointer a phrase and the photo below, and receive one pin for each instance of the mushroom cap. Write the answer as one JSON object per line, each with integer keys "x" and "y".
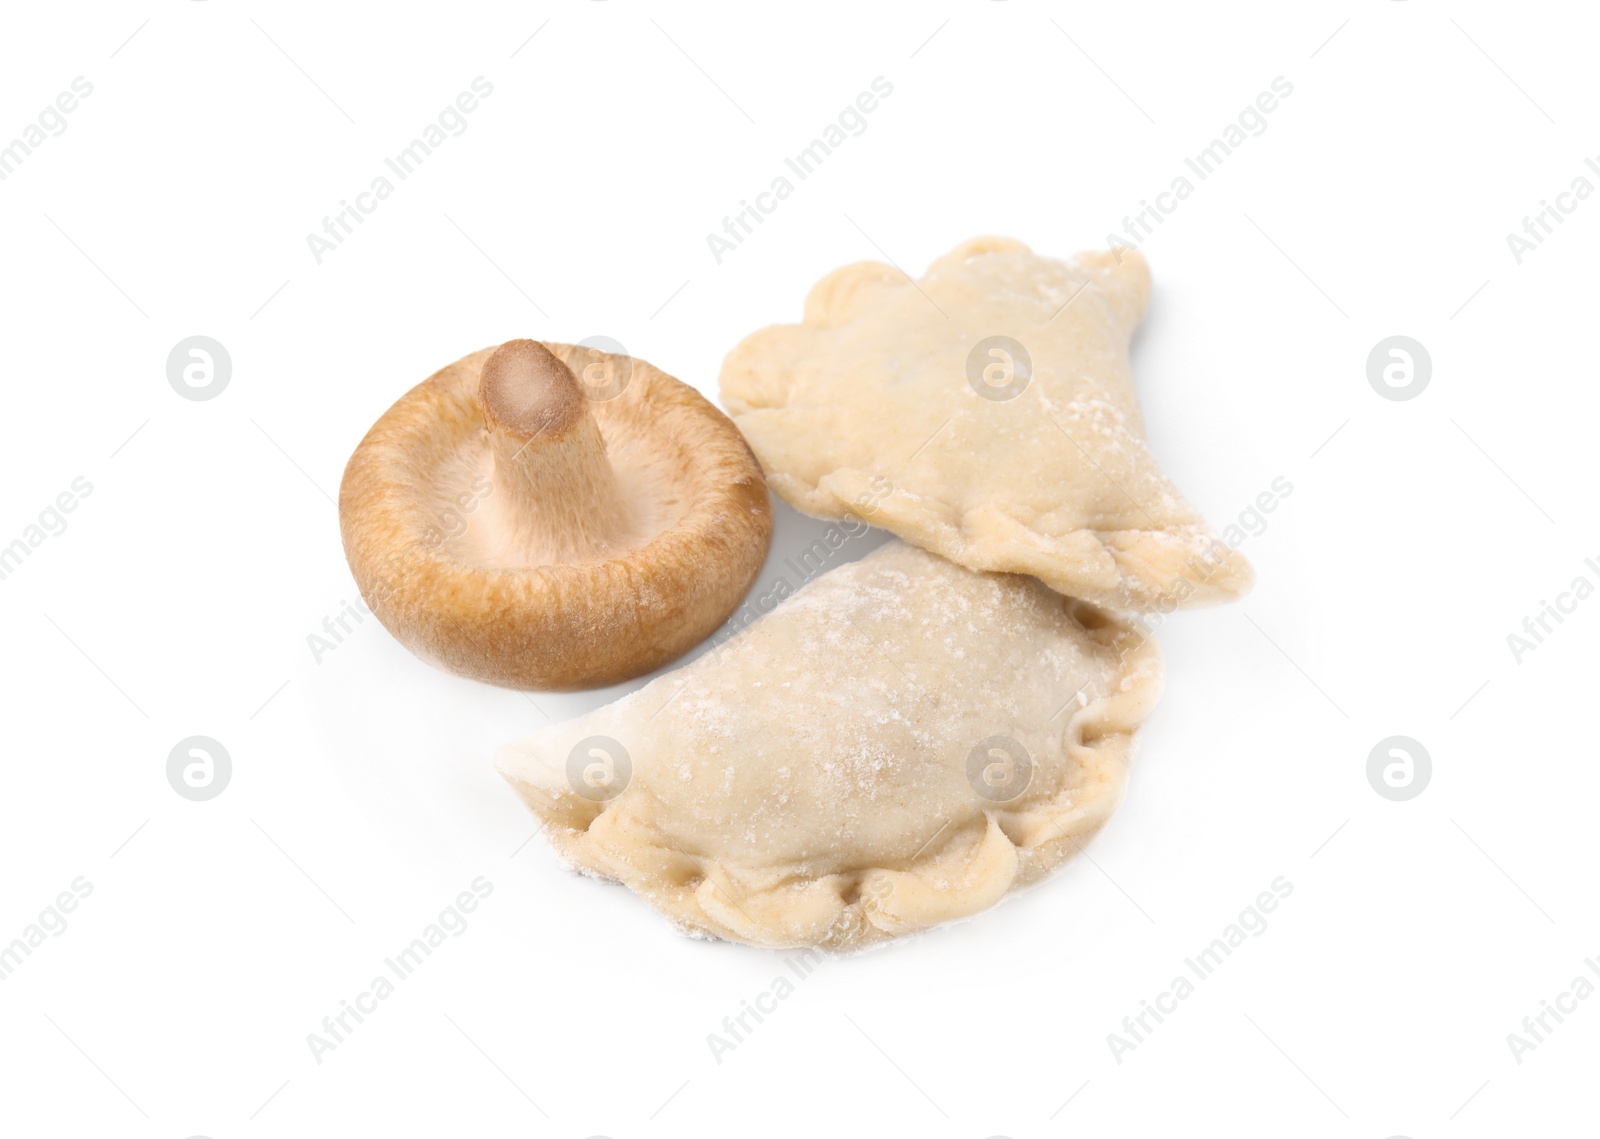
{"x": 508, "y": 525}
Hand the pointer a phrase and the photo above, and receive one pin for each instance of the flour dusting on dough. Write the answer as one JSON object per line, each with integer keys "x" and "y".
{"x": 808, "y": 783}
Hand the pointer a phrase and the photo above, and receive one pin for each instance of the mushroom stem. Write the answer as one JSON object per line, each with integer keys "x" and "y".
{"x": 549, "y": 458}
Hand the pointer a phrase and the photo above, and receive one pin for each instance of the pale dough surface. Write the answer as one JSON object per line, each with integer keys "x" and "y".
{"x": 808, "y": 783}
{"x": 866, "y": 407}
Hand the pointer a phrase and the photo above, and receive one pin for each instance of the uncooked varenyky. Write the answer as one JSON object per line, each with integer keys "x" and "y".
{"x": 986, "y": 412}
{"x": 900, "y": 743}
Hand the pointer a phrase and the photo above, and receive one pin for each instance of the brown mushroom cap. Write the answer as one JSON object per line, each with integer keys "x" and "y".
{"x": 506, "y": 525}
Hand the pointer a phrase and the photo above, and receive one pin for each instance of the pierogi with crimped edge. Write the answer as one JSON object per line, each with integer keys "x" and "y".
{"x": 899, "y": 744}
{"x": 985, "y": 412}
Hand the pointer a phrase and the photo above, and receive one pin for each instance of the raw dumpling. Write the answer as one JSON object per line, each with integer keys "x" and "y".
{"x": 987, "y": 413}
{"x": 898, "y": 744}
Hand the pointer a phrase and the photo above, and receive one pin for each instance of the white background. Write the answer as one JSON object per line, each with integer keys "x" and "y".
{"x": 179, "y": 599}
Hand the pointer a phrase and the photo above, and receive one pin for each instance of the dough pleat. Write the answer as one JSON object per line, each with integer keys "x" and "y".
{"x": 901, "y": 743}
